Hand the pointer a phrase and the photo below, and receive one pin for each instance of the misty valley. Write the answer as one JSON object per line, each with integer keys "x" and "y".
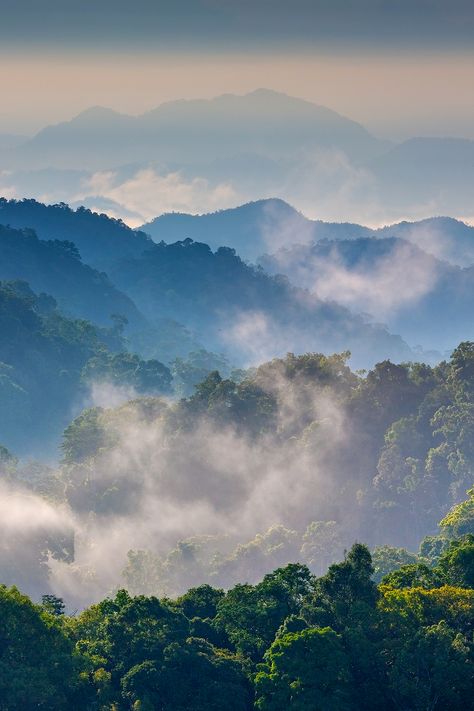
{"x": 236, "y": 462}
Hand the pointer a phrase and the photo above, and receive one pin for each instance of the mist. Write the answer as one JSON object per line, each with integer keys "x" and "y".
{"x": 148, "y": 488}
{"x": 380, "y": 286}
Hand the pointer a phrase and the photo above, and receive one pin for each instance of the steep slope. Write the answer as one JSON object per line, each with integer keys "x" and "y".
{"x": 250, "y": 229}
{"x": 241, "y": 310}
{"x": 41, "y": 358}
{"x": 48, "y": 363}
{"x": 52, "y": 265}
{"x": 99, "y": 239}
{"x": 227, "y": 305}
{"x": 55, "y": 267}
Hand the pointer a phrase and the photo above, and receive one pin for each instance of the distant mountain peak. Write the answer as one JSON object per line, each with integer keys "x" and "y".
{"x": 97, "y": 113}
{"x": 264, "y": 203}
{"x": 281, "y": 96}
{"x": 263, "y": 92}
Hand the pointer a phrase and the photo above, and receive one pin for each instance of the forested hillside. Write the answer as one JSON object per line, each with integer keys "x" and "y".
{"x": 55, "y": 267}
{"x": 250, "y": 229}
{"x": 239, "y": 309}
{"x": 100, "y": 240}
{"x": 265, "y": 226}
{"x": 226, "y": 305}
{"x": 236, "y": 355}
{"x": 294, "y": 462}
{"x": 47, "y": 361}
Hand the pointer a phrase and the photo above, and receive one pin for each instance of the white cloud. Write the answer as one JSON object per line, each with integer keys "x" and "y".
{"x": 380, "y": 287}
{"x": 148, "y": 194}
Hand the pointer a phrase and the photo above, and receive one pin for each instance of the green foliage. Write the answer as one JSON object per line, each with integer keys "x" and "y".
{"x": 347, "y": 591}
{"x": 460, "y": 520}
{"x": 128, "y": 370}
{"x": 432, "y": 669}
{"x": 84, "y": 436}
{"x": 193, "y": 677}
{"x": 141, "y": 656}
{"x": 251, "y": 615}
{"x": 200, "y": 602}
{"x": 432, "y": 547}
{"x": 190, "y": 371}
{"x": 456, "y": 563}
{"x": 52, "y": 604}
{"x": 37, "y": 664}
{"x": 305, "y": 670}
{"x": 414, "y": 575}
{"x": 426, "y": 645}
{"x": 244, "y": 405}
{"x": 260, "y": 647}
{"x": 386, "y": 559}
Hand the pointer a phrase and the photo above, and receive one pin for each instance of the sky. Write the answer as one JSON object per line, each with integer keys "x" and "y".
{"x": 246, "y": 24}
{"x": 400, "y": 68}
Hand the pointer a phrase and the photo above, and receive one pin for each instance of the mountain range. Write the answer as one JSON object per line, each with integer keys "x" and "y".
{"x": 185, "y": 285}
{"x": 264, "y": 226}
{"x": 126, "y": 306}
{"x": 263, "y": 122}
{"x": 202, "y": 155}
{"x": 226, "y": 304}
{"x": 416, "y": 277}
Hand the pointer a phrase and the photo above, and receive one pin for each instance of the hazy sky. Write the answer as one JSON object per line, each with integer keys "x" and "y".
{"x": 400, "y": 67}
{"x": 238, "y": 24}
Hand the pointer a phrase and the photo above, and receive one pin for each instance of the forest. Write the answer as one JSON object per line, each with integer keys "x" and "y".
{"x": 236, "y": 355}
{"x": 185, "y": 526}
{"x": 337, "y": 642}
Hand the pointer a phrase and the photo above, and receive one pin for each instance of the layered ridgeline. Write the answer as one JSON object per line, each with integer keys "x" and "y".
{"x": 415, "y": 277}
{"x": 229, "y": 305}
{"x": 209, "y": 154}
{"x": 265, "y": 226}
{"x": 100, "y": 240}
{"x": 293, "y": 463}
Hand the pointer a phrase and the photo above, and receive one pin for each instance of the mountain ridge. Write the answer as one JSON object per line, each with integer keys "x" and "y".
{"x": 262, "y": 215}
{"x": 215, "y": 295}
{"x": 258, "y": 121}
